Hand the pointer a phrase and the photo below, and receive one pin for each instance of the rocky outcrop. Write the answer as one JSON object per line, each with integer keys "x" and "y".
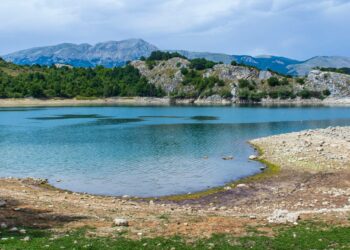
{"x": 337, "y": 84}
{"x": 166, "y": 74}
{"x": 231, "y": 73}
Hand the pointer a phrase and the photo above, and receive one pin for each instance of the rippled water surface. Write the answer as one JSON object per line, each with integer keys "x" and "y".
{"x": 145, "y": 151}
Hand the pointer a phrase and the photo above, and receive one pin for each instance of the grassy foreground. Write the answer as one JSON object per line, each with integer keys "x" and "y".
{"x": 303, "y": 236}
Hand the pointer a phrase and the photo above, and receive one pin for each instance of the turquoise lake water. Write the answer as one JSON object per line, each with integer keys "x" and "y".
{"x": 145, "y": 151}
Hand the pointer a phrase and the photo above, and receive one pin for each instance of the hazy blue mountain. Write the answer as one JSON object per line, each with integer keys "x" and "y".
{"x": 319, "y": 61}
{"x": 278, "y": 64}
{"x": 108, "y": 54}
{"x": 117, "y": 53}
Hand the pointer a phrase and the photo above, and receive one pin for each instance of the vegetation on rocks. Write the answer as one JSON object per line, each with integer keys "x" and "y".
{"x": 167, "y": 73}
{"x": 336, "y": 70}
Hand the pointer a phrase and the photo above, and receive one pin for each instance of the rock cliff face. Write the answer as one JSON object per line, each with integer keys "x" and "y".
{"x": 337, "y": 84}
{"x": 166, "y": 74}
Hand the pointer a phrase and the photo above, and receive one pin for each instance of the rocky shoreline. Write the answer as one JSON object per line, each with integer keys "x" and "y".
{"x": 312, "y": 184}
{"x": 166, "y": 101}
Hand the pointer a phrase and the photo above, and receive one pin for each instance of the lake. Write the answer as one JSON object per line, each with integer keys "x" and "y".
{"x": 145, "y": 151}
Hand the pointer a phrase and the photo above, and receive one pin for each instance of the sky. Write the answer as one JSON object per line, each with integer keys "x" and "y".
{"x": 297, "y": 29}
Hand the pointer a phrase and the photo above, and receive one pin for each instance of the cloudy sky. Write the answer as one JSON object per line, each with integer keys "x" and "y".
{"x": 294, "y": 28}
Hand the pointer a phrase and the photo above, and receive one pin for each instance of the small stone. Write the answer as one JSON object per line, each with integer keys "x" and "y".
{"x": 227, "y": 158}
{"x": 242, "y": 185}
{"x": 2, "y": 203}
{"x": 17, "y": 209}
{"x": 27, "y": 238}
{"x": 283, "y": 216}
{"x": 253, "y": 157}
{"x": 22, "y": 231}
{"x": 13, "y": 229}
{"x": 120, "y": 222}
{"x": 3, "y": 225}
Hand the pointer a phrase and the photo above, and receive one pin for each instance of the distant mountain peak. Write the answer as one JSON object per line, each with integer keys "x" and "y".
{"x": 117, "y": 53}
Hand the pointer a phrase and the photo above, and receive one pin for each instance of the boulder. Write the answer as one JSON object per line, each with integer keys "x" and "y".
{"x": 120, "y": 222}
{"x": 280, "y": 216}
{"x": 253, "y": 157}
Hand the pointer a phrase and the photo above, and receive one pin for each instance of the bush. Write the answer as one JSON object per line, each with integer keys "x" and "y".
{"x": 225, "y": 93}
{"x": 247, "y": 95}
{"x": 150, "y": 64}
{"x": 273, "y": 94}
{"x": 326, "y": 92}
{"x": 184, "y": 71}
{"x": 243, "y": 83}
{"x": 301, "y": 81}
{"x": 307, "y": 94}
{"x": 284, "y": 82}
{"x": 201, "y": 64}
{"x": 273, "y": 81}
{"x": 161, "y": 56}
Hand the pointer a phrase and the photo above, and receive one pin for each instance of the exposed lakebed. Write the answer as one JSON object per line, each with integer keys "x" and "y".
{"x": 145, "y": 151}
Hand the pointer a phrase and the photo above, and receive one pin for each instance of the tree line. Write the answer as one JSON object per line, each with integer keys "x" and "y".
{"x": 65, "y": 82}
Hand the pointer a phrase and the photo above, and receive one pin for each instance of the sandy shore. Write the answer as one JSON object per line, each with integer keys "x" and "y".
{"x": 313, "y": 183}
{"x": 77, "y": 102}
{"x": 152, "y": 101}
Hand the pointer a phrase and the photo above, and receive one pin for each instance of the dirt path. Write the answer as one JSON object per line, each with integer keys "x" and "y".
{"x": 313, "y": 183}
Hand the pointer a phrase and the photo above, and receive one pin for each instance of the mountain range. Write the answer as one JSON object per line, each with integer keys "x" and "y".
{"x": 118, "y": 53}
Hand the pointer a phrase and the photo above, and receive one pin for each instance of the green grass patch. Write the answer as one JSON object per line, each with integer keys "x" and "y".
{"x": 303, "y": 236}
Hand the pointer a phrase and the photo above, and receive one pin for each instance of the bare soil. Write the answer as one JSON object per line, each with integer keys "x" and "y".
{"x": 313, "y": 182}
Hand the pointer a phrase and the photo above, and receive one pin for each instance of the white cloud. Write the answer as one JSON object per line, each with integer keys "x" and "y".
{"x": 296, "y": 28}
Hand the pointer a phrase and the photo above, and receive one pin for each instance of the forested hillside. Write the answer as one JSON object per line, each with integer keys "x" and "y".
{"x": 68, "y": 82}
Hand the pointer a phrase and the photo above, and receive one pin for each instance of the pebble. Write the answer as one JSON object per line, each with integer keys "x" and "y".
{"x": 120, "y": 222}
{"x": 3, "y": 225}
{"x": 13, "y": 229}
{"x": 227, "y": 158}
{"x": 27, "y": 238}
{"x": 253, "y": 157}
{"x": 2, "y": 203}
{"x": 242, "y": 185}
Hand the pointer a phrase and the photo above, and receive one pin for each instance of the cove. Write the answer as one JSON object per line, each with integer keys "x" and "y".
{"x": 145, "y": 151}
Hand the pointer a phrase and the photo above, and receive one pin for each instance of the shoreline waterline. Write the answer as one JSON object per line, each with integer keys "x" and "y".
{"x": 155, "y": 101}
{"x": 269, "y": 170}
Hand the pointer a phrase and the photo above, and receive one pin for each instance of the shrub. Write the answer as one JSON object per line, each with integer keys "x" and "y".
{"x": 307, "y": 94}
{"x": 243, "y": 83}
{"x": 326, "y": 92}
{"x": 201, "y": 64}
{"x": 284, "y": 82}
{"x": 225, "y": 93}
{"x": 184, "y": 71}
{"x": 273, "y": 81}
{"x": 273, "y": 94}
{"x": 243, "y": 94}
{"x": 301, "y": 81}
{"x": 161, "y": 56}
{"x": 150, "y": 64}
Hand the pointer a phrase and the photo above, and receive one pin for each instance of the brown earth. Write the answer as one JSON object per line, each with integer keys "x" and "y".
{"x": 314, "y": 183}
